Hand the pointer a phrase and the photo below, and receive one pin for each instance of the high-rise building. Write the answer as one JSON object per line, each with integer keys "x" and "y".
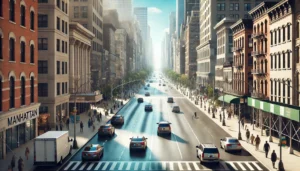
{"x": 172, "y": 29}
{"x": 123, "y": 7}
{"x": 19, "y": 107}
{"x": 90, "y": 15}
{"x": 179, "y": 15}
{"x": 141, "y": 14}
{"x": 189, "y": 6}
{"x": 53, "y": 48}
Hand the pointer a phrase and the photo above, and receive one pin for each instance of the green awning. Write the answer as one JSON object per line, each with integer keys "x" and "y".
{"x": 229, "y": 99}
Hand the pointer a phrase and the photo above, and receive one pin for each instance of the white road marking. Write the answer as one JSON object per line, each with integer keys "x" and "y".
{"x": 121, "y": 166}
{"x": 180, "y": 166}
{"x": 136, "y": 166}
{"x": 83, "y": 166}
{"x": 69, "y": 165}
{"x": 224, "y": 165}
{"x": 90, "y": 166}
{"x": 76, "y": 165}
{"x": 128, "y": 166}
{"x": 171, "y": 166}
{"x": 177, "y": 145}
{"x": 164, "y": 166}
{"x": 113, "y": 166}
{"x": 232, "y": 165}
{"x": 241, "y": 166}
{"x": 249, "y": 166}
{"x": 192, "y": 130}
{"x": 188, "y": 166}
{"x": 105, "y": 166}
{"x": 144, "y": 166}
{"x": 196, "y": 166}
{"x": 255, "y": 164}
{"x": 98, "y": 165}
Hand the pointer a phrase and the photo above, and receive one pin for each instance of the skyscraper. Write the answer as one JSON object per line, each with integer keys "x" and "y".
{"x": 179, "y": 15}
{"x": 141, "y": 14}
{"x": 124, "y": 8}
{"x": 189, "y": 6}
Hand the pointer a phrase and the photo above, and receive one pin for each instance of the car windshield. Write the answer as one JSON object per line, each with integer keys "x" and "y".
{"x": 105, "y": 127}
{"x": 137, "y": 139}
{"x": 164, "y": 125}
{"x": 211, "y": 150}
{"x": 89, "y": 148}
{"x": 233, "y": 141}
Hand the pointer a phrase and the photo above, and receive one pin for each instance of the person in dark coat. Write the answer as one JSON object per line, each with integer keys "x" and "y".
{"x": 89, "y": 123}
{"x": 248, "y": 135}
{"x": 20, "y": 164}
{"x": 56, "y": 126}
{"x": 273, "y": 158}
{"x": 81, "y": 126}
{"x": 13, "y": 162}
{"x": 266, "y": 148}
{"x": 61, "y": 125}
{"x": 68, "y": 123}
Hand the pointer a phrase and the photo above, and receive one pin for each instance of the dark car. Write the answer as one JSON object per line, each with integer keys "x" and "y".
{"x": 147, "y": 94}
{"x": 170, "y": 100}
{"x": 145, "y": 88}
{"x": 164, "y": 84}
{"x": 148, "y": 107}
{"x": 164, "y": 128}
{"x": 107, "y": 129}
{"x": 159, "y": 84}
{"x": 148, "y": 85}
{"x": 117, "y": 119}
{"x": 92, "y": 152}
{"x": 138, "y": 143}
{"x": 140, "y": 100}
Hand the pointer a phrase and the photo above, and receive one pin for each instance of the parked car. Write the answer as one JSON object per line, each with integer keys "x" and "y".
{"x": 140, "y": 100}
{"x": 208, "y": 153}
{"x": 145, "y": 88}
{"x": 170, "y": 100}
{"x": 148, "y": 107}
{"x": 230, "y": 144}
{"x": 117, "y": 120}
{"x": 147, "y": 94}
{"x": 105, "y": 130}
{"x": 148, "y": 85}
{"x": 164, "y": 127}
{"x": 159, "y": 84}
{"x": 164, "y": 84}
{"x": 92, "y": 152}
{"x": 138, "y": 143}
{"x": 176, "y": 109}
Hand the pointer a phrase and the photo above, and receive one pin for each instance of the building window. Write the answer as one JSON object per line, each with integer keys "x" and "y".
{"x": 22, "y": 51}
{"x": 1, "y": 97}
{"x": 66, "y": 87}
{"x": 275, "y": 61}
{"x": 23, "y": 93}
{"x": 236, "y": 6}
{"x": 62, "y": 88}
{"x": 63, "y": 26}
{"x": 43, "y": 1}
{"x": 42, "y": 20}
{"x": 43, "y": 43}
{"x": 43, "y": 90}
{"x": 1, "y": 52}
{"x": 58, "y": 3}
{"x": 57, "y": 23}
{"x": 76, "y": 12}
{"x": 279, "y": 36}
{"x": 66, "y": 68}
{"x": 271, "y": 88}
{"x": 231, "y": 6}
{"x": 289, "y": 59}
{"x": 57, "y": 67}
{"x": 57, "y": 45}
{"x": 22, "y": 11}
{"x": 12, "y": 10}
{"x": 63, "y": 46}
{"x": 11, "y": 49}
{"x": 31, "y": 89}
{"x": 275, "y": 33}
{"x": 31, "y": 54}
{"x": 66, "y": 27}
{"x": 43, "y": 67}
{"x": 62, "y": 67}
{"x": 283, "y": 60}
{"x": 84, "y": 10}
{"x": 66, "y": 47}
{"x": 1, "y": 14}
{"x": 247, "y": 6}
{"x": 221, "y": 6}
{"x": 298, "y": 30}
{"x": 271, "y": 38}
{"x": 289, "y": 89}
{"x": 66, "y": 10}
{"x": 11, "y": 92}
{"x": 57, "y": 88}
{"x": 63, "y": 6}
{"x": 279, "y": 61}
{"x": 32, "y": 20}
{"x": 289, "y": 32}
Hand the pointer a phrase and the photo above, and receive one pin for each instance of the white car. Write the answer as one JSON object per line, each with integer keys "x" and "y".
{"x": 208, "y": 153}
{"x": 230, "y": 144}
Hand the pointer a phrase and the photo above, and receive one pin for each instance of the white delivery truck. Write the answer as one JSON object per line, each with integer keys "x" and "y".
{"x": 51, "y": 148}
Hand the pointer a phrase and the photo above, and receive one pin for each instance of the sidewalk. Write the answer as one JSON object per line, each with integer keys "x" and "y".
{"x": 290, "y": 161}
{"x": 81, "y": 138}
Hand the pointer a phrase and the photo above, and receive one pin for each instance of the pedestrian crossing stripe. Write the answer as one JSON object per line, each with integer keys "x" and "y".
{"x": 161, "y": 165}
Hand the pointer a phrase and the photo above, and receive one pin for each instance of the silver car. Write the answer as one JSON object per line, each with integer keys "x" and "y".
{"x": 92, "y": 152}
{"x": 138, "y": 143}
{"x": 208, "y": 153}
{"x": 230, "y": 144}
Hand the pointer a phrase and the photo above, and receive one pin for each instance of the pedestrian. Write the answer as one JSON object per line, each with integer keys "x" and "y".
{"x": 247, "y": 135}
{"x": 266, "y": 148}
{"x": 257, "y": 142}
{"x": 20, "y": 164}
{"x": 100, "y": 115}
{"x": 273, "y": 158}
{"x": 68, "y": 123}
{"x": 81, "y": 126}
{"x": 13, "y": 162}
{"x": 93, "y": 127}
{"x": 89, "y": 122}
{"x": 56, "y": 126}
{"x": 61, "y": 125}
{"x": 27, "y": 152}
{"x": 252, "y": 138}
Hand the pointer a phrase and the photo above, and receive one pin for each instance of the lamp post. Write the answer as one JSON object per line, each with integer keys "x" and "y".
{"x": 223, "y": 109}
{"x": 280, "y": 164}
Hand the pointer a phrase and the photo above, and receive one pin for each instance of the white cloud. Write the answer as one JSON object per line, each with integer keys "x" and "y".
{"x": 166, "y": 30}
{"x": 154, "y": 10}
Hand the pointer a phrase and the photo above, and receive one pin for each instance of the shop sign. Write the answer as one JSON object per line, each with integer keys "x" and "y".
{"x": 22, "y": 117}
{"x": 262, "y": 105}
{"x": 281, "y": 110}
{"x": 272, "y": 108}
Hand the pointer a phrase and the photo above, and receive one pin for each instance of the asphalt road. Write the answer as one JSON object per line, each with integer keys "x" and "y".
{"x": 177, "y": 152}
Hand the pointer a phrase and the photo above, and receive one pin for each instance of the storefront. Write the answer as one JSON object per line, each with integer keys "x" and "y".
{"x": 17, "y": 127}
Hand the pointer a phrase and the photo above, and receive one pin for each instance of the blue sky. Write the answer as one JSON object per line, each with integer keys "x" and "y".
{"x": 158, "y": 19}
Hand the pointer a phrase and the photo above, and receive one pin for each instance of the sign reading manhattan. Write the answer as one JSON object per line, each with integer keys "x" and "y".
{"x": 22, "y": 117}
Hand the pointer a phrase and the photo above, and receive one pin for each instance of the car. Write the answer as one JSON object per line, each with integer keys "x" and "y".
{"x": 138, "y": 143}
{"x": 170, "y": 100}
{"x": 140, "y": 100}
{"x": 230, "y": 144}
{"x": 92, "y": 152}
{"x": 151, "y": 81}
{"x": 117, "y": 120}
{"x": 164, "y": 127}
{"x": 148, "y": 107}
{"x": 159, "y": 84}
{"x": 208, "y": 153}
{"x": 145, "y": 88}
{"x": 164, "y": 84}
{"x": 106, "y": 129}
{"x": 176, "y": 109}
{"x": 147, "y": 94}
{"x": 148, "y": 85}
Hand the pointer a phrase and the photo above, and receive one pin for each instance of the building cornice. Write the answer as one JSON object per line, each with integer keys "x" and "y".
{"x": 78, "y": 27}
{"x": 242, "y": 24}
{"x": 261, "y": 9}
{"x": 280, "y": 10}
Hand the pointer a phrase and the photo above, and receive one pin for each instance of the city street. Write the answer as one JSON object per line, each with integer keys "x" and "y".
{"x": 175, "y": 153}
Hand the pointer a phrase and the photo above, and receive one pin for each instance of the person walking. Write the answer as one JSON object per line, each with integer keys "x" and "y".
{"x": 267, "y": 148}
{"x": 248, "y": 135}
{"x": 20, "y": 164}
{"x": 257, "y": 142}
{"x": 81, "y": 126}
{"x": 61, "y": 125}
{"x": 56, "y": 126}
{"x": 68, "y": 123}
{"x": 89, "y": 122}
{"x": 100, "y": 115}
{"x": 27, "y": 153}
{"x": 13, "y": 162}
{"x": 273, "y": 158}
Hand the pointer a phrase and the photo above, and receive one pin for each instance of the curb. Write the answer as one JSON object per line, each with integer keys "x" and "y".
{"x": 59, "y": 168}
{"x": 222, "y": 128}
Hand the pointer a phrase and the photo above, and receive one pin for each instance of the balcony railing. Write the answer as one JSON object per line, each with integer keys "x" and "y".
{"x": 237, "y": 92}
{"x": 258, "y": 95}
{"x": 238, "y": 65}
{"x": 236, "y": 49}
{"x": 258, "y": 53}
{"x": 258, "y": 35}
{"x": 258, "y": 72}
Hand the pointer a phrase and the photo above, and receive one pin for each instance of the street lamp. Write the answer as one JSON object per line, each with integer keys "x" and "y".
{"x": 223, "y": 109}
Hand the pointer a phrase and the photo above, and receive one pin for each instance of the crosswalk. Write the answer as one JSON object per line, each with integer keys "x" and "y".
{"x": 161, "y": 165}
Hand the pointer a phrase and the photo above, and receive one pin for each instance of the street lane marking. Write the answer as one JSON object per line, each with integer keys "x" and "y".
{"x": 128, "y": 166}
{"x": 113, "y": 166}
{"x": 69, "y": 165}
{"x": 98, "y": 166}
{"x": 171, "y": 166}
{"x": 241, "y": 166}
{"x": 249, "y": 166}
{"x": 164, "y": 166}
{"x": 254, "y": 163}
{"x": 191, "y": 129}
{"x": 121, "y": 166}
{"x": 232, "y": 165}
{"x": 136, "y": 166}
{"x": 177, "y": 145}
{"x": 90, "y": 166}
{"x": 196, "y": 166}
{"x": 188, "y": 166}
{"x": 144, "y": 166}
{"x": 83, "y": 166}
{"x": 76, "y": 165}
{"x": 105, "y": 166}
{"x": 180, "y": 166}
